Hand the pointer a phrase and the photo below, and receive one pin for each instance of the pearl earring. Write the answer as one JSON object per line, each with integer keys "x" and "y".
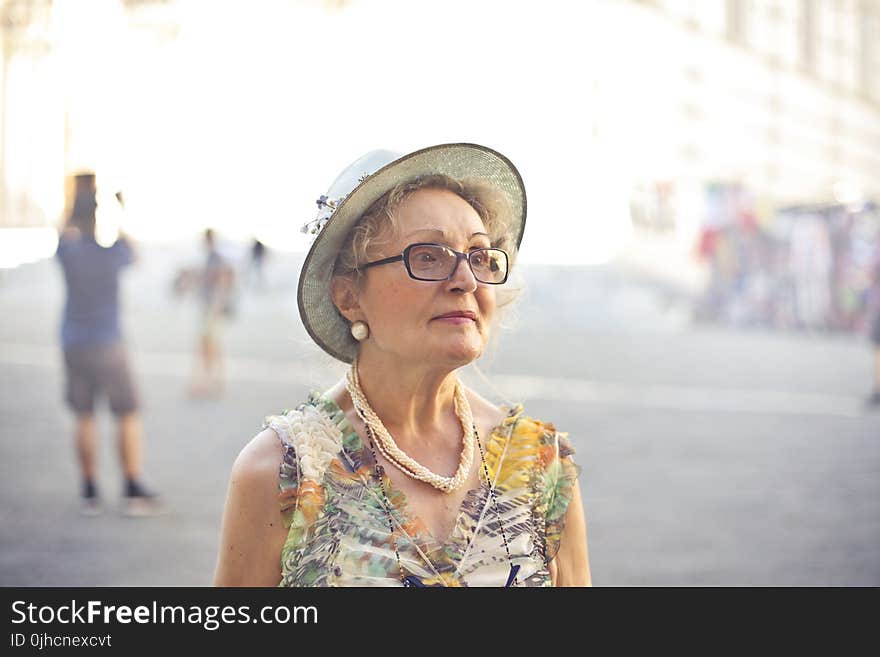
{"x": 360, "y": 331}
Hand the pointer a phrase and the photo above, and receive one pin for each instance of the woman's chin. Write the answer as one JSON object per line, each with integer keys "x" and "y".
{"x": 462, "y": 353}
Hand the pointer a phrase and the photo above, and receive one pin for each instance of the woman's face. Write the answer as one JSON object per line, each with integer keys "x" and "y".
{"x": 405, "y": 315}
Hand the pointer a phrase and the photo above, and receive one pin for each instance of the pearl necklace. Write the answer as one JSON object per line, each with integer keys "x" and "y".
{"x": 400, "y": 459}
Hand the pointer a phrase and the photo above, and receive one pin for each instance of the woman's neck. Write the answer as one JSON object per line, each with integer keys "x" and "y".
{"x": 411, "y": 400}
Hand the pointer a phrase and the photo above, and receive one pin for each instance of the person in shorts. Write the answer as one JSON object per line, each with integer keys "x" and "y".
{"x": 95, "y": 358}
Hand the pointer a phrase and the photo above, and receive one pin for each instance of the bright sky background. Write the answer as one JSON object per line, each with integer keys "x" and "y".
{"x": 245, "y": 118}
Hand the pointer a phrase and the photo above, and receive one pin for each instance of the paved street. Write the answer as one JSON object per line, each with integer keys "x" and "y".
{"x": 709, "y": 456}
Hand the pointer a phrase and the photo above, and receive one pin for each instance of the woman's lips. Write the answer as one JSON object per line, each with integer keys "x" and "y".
{"x": 455, "y": 319}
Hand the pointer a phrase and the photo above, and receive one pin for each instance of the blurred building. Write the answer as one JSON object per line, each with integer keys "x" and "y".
{"x": 731, "y": 111}
{"x": 772, "y": 109}
{"x": 781, "y": 96}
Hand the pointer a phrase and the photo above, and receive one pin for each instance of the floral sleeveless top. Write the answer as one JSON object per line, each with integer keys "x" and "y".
{"x": 334, "y": 506}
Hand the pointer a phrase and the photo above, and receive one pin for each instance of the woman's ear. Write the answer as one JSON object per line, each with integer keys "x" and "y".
{"x": 344, "y": 293}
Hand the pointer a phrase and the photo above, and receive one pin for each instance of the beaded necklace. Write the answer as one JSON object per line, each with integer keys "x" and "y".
{"x": 379, "y": 437}
{"x": 413, "y": 580}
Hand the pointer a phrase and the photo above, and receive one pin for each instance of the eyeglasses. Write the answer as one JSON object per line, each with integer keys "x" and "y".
{"x": 436, "y": 262}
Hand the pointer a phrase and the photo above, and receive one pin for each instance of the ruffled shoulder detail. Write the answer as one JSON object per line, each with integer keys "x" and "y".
{"x": 311, "y": 437}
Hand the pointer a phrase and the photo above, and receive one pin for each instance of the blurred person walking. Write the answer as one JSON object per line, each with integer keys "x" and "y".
{"x": 256, "y": 276}
{"x": 95, "y": 358}
{"x": 216, "y": 283}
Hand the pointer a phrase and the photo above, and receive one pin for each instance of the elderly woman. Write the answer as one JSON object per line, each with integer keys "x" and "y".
{"x": 399, "y": 475}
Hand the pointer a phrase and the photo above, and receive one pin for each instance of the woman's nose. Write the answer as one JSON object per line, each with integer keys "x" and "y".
{"x": 462, "y": 277}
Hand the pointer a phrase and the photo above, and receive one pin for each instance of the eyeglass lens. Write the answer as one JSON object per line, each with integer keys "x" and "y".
{"x": 436, "y": 263}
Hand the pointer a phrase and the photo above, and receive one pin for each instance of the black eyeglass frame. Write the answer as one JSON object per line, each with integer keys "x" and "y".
{"x": 459, "y": 256}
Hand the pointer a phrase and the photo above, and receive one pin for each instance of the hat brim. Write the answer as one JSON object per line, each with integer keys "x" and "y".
{"x": 319, "y": 315}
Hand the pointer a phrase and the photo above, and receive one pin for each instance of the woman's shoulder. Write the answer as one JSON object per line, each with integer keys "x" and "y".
{"x": 486, "y": 413}
{"x": 512, "y": 421}
{"x": 540, "y": 430}
{"x": 531, "y": 434}
{"x": 257, "y": 462}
